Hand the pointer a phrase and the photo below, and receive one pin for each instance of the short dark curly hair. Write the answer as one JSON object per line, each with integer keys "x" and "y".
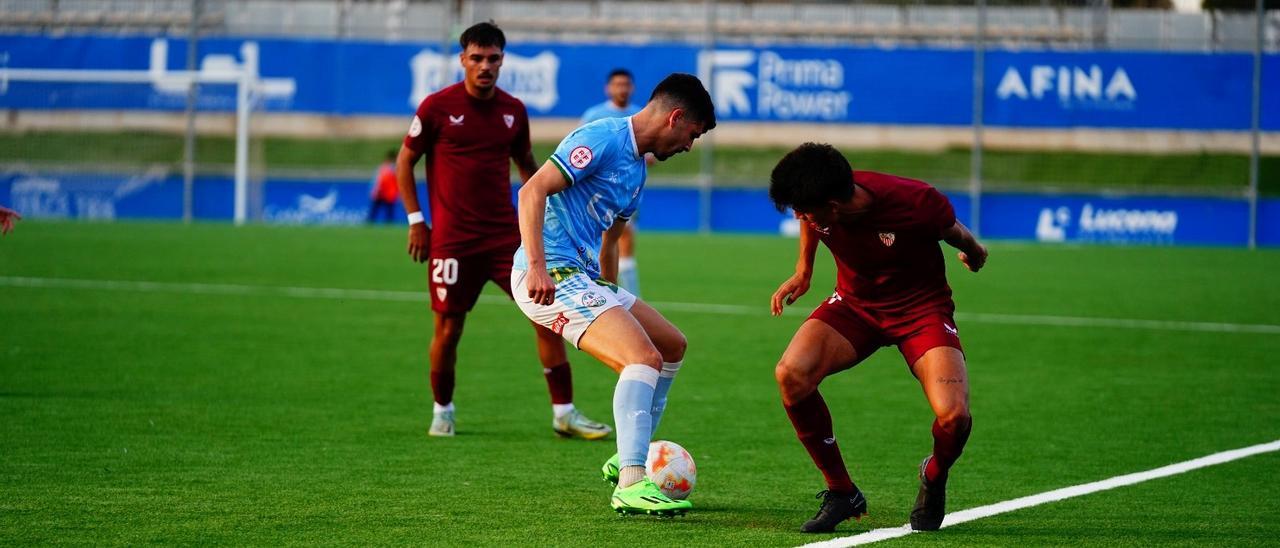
{"x": 483, "y": 34}
{"x": 809, "y": 177}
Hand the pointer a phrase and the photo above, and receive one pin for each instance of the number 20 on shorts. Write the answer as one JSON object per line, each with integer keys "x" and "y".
{"x": 444, "y": 271}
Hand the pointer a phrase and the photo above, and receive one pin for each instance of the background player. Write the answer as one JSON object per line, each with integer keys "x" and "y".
{"x": 592, "y": 184}
{"x": 467, "y": 132}
{"x": 891, "y": 289}
{"x": 7, "y": 217}
{"x": 384, "y": 190}
{"x": 618, "y": 87}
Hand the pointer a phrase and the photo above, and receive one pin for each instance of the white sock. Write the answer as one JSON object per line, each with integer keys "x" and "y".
{"x": 629, "y": 475}
{"x": 437, "y": 409}
{"x": 561, "y": 409}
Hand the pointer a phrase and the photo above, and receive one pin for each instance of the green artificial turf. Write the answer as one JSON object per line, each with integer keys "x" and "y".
{"x": 214, "y": 408}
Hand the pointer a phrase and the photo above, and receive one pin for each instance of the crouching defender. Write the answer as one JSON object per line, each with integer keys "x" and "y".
{"x": 578, "y": 202}
{"x": 891, "y": 289}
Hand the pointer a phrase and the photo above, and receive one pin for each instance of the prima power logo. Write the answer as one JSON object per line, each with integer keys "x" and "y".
{"x": 1073, "y": 86}
{"x": 764, "y": 84}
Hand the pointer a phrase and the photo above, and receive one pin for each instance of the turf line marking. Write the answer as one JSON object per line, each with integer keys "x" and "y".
{"x": 700, "y": 308}
{"x": 956, "y": 518}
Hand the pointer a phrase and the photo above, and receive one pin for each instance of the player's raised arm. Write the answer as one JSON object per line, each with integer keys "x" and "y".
{"x": 972, "y": 253}
{"x": 533, "y": 209}
{"x": 798, "y": 284}
{"x": 609, "y": 250}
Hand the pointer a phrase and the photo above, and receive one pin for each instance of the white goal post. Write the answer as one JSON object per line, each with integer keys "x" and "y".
{"x": 222, "y": 70}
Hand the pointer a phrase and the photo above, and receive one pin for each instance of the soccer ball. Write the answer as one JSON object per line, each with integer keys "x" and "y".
{"x": 671, "y": 467}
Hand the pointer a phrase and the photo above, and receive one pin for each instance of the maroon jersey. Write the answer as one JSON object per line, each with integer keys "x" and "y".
{"x": 468, "y": 143}
{"x": 889, "y": 260}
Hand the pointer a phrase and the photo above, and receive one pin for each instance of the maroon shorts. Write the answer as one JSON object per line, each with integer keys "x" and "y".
{"x": 456, "y": 282}
{"x": 915, "y": 333}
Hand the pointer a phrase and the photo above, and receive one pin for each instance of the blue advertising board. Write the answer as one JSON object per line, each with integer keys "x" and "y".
{"x": 837, "y": 84}
{"x": 1118, "y": 220}
{"x": 1038, "y": 217}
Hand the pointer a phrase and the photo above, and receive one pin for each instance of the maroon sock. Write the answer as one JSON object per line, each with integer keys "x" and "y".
{"x": 442, "y": 386}
{"x": 812, "y": 421}
{"x": 947, "y": 446}
{"x": 559, "y": 383}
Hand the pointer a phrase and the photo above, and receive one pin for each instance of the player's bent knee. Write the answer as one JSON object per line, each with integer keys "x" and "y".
{"x": 675, "y": 347}
{"x": 449, "y": 334}
{"x": 794, "y": 384}
{"x": 450, "y": 326}
{"x": 956, "y": 420}
{"x": 650, "y": 357}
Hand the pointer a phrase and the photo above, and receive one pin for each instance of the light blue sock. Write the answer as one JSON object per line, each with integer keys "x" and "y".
{"x": 632, "y": 401}
{"x": 665, "y": 378}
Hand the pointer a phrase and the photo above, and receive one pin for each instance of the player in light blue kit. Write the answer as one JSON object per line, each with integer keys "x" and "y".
{"x": 577, "y": 203}
{"x": 618, "y": 86}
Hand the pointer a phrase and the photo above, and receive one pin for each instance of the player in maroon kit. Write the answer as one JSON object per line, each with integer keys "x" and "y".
{"x": 468, "y": 132}
{"x": 891, "y": 289}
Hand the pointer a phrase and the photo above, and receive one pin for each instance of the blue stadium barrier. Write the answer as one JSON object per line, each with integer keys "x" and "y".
{"x": 1046, "y": 218}
{"x": 1269, "y": 222}
{"x": 837, "y": 84}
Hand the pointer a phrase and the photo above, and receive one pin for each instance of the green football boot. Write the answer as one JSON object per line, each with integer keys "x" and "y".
{"x": 610, "y": 470}
{"x": 644, "y": 497}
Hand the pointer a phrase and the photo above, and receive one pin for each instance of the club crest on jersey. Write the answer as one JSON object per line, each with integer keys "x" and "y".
{"x": 887, "y": 238}
{"x": 415, "y": 127}
{"x": 557, "y": 325}
{"x": 580, "y": 157}
{"x": 509, "y": 119}
{"x": 441, "y": 293}
{"x": 591, "y": 299}
{"x": 456, "y": 120}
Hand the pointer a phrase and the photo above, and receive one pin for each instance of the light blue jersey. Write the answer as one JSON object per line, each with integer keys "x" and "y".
{"x": 608, "y": 110}
{"x": 606, "y": 173}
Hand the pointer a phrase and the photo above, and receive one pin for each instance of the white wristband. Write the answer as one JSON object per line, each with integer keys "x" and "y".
{"x": 416, "y": 218}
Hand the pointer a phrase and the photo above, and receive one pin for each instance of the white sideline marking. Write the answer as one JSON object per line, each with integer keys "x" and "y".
{"x": 701, "y": 308}
{"x": 956, "y": 518}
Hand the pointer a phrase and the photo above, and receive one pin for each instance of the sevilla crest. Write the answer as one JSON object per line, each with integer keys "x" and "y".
{"x": 509, "y": 119}
{"x": 886, "y": 238}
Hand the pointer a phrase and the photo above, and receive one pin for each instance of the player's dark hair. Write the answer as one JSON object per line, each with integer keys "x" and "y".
{"x": 685, "y": 91}
{"x": 809, "y": 177}
{"x": 483, "y": 34}
{"x": 619, "y": 72}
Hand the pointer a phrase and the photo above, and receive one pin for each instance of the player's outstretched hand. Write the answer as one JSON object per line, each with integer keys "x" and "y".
{"x": 542, "y": 289}
{"x": 7, "y": 217}
{"x": 975, "y": 259}
{"x": 794, "y": 288}
{"x": 419, "y": 242}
